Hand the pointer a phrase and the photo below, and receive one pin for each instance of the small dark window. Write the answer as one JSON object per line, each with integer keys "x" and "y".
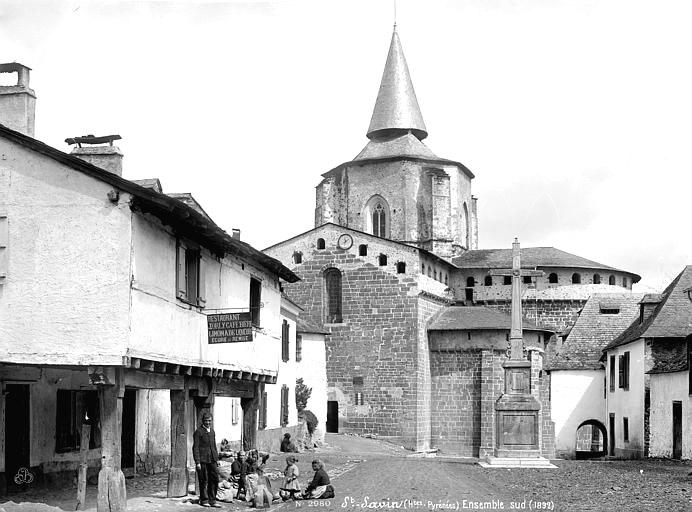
{"x": 527, "y": 279}
{"x": 297, "y": 258}
{"x": 611, "y": 280}
{"x": 612, "y": 373}
{"x": 596, "y": 279}
{"x": 320, "y": 243}
{"x": 488, "y": 281}
{"x": 624, "y": 282}
{"x": 358, "y": 381}
{"x": 382, "y": 260}
{"x": 576, "y": 278}
{"x": 626, "y": 373}
{"x": 552, "y": 278}
{"x": 422, "y": 269}
{"x": 332, "y": 278}
{"x": 429, "y": 271}
{"x": 401, "y": 268}
{"x": 446, "y": 280}
{"x": 284, "y": 405}
{"x": 299, "y": 347}
{"x": 73, "y": 409}
{"x": 435, "y": 274}
{"x": 362, "y": 250}
{"x": 255, "y": 301}
{"x": 285, "y": 336}
{"x": 625, "y": 430}
{"x": 507, "y": 280}
{"x": 470, "y": 282}
{"x": 468, "y": 335}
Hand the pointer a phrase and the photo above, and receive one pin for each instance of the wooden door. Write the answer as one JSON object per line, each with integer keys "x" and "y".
{"x": 17, "y": 437}
{"x": 677, "y": 429}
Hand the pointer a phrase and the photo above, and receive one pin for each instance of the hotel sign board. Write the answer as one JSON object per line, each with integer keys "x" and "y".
{"x": 229, "y": 328}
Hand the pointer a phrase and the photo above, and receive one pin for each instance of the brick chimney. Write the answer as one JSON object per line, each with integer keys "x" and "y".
{"x": 18, "y": 102}
{"x": 99, "y": 151}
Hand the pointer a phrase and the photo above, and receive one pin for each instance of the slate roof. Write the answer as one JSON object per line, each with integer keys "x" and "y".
{"x": 187, "y": 198}
{"x": 152, "y": 183}
{"x": 593, "y": 330}
{"x": 476, "y": 318}
{"x": 405, "y": 145}
{"x": 531, "y": 257}
{"x": 672, "y": 317}
{"x": 306, "y": 326}
{"x": 669, "y": 356}
{"x": 171, "y": 211}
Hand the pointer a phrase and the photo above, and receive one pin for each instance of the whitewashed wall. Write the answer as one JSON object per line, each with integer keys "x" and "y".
{"x": 665, "y": 388}
{"x": 628, "y": 403}
{"x": 168, "y": 329}
{"x": 66, "y": 296}
{"x": 576, "y": 396}
{"x": 313, "y": 370}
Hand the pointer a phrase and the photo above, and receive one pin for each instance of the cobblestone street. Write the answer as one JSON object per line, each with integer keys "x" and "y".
{"x": 373, "y": 474}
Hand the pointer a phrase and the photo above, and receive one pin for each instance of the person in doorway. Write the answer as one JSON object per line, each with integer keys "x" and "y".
{"x": 206, "y": 462}
{"x": 320, "y": 487}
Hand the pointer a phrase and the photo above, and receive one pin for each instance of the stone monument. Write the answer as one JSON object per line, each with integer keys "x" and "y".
{"x": 517, "y": 411}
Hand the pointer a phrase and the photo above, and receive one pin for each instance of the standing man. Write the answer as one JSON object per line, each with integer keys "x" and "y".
{"x": 206, "y": 461}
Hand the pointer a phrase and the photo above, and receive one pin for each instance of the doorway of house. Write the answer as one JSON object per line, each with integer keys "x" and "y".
{"x": 611, "y": 447}
{"x": 333, "y": 416}
{"x": 17, "y": 437}
{"x": 677, "y": 429}
{"x": 127, "y": 437}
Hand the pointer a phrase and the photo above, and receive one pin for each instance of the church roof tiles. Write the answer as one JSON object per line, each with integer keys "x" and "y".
{"x": 531, "y": 257}
{"x": 476, "y": 318}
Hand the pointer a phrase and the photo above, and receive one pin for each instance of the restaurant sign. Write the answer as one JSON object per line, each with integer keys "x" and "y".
{"x": 229, "y": 327}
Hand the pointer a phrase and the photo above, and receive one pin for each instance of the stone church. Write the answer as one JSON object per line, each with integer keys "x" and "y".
{"x": 418, "y": 315}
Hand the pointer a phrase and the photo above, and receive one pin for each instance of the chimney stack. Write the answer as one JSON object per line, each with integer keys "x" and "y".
{"x": 18, "y": 102}
{"x": 235, "y": 234}
{"x": 106, "y": 157}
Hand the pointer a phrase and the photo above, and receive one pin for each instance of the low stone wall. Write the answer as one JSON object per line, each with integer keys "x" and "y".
{"x": 269, "y": 440}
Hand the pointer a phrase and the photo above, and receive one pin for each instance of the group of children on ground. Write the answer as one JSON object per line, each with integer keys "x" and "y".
{"x": 246, "y": 479}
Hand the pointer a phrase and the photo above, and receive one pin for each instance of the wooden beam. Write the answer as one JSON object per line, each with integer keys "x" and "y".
{"x": 185, "y": 370}
{"x": 196, "y": 370}
{"x": 112, "y": 496}
{"x": 207, "y": 372}
{"x": 146, "y": 365}
{"x": 250, "y": 407}
{"x": 135, "y": 362}
{"x": 83, "y": 466}
{"x": 236, "y": 375}
{"x": 227, "y": 374}
{"x": 151, "y": 380}
{"x": 160, "y": 367}
{"x": 255, "y": 377}
{"x": 177, "y": 473}
{"x": 242, "y": 389}
{"x": 173, "y": 369}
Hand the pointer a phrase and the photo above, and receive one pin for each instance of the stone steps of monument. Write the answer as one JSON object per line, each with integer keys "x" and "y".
{"x": 517, "y": 462}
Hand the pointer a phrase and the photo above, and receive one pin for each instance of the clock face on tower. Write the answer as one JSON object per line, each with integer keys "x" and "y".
{"x": 345, "y": 241}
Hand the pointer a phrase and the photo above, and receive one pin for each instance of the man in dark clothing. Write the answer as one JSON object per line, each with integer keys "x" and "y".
{"x": 239, "y": 470}
{"x": 206, "y": 462}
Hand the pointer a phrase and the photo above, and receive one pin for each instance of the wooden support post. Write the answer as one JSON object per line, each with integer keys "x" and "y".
{"x": 177, "y": 474}
{"x": 83, "y": 466}
{"x": 112, "y": 496}
{"x": 250, "y": 407}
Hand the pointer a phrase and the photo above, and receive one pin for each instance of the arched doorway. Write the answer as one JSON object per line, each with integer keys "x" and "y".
{"x": 592, "y": 440}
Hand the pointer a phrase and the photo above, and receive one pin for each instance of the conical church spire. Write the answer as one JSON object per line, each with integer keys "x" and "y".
{"x": 396, "y": 109}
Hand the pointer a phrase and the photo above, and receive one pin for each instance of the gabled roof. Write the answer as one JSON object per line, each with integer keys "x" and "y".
{"x": 672, "y": 317}
{"x": 186, "y": 220}
{"x": 531, "y": 257}
{"x": 369, "y": 235}
{"x": 476, "y": 318}
{"x": 396, "y": 107}
{"x": 403, "y": 145}
{"x": 187, "y": 198}
{"x": 593, "y": 330}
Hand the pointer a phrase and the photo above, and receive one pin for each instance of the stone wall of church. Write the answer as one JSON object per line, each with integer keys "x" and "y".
{"x": 456, "y": 402}
{"x": 373, "y": 355}
{"x": 424, "y": 201}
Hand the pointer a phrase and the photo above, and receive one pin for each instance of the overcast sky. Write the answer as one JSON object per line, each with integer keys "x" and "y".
{"x": 575, "y": 116}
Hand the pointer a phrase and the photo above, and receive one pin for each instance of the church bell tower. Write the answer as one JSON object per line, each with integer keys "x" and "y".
{"x": 396, "y": 187}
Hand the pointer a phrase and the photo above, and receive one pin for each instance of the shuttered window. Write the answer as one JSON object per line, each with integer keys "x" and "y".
{"x": 285, "y": 332}
{"x": 299, "y": 347}
{"x": 262, "y": 421}
{"x": 621, "y": 371}
{"x": 612, "y": 373}
{"x": 284, "y": 405}
{"x": 626, "y": 370}
{"x": 189, "y": 275}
